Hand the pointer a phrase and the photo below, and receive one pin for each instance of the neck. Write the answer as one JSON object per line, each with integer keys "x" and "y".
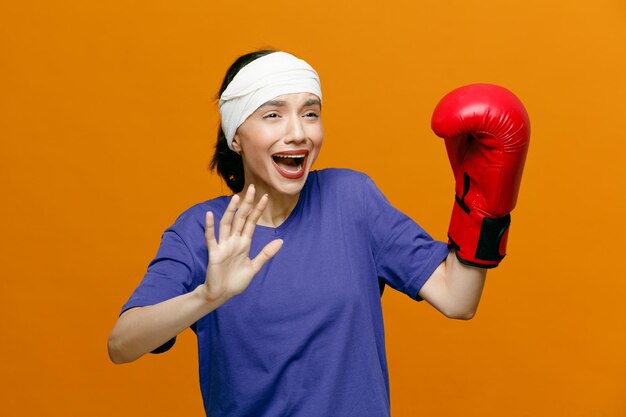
{"x": 279, "y": 206}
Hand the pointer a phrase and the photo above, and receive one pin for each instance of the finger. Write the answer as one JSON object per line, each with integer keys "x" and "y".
{"x": 244, "y": 210}
{"x": 266, "y": 254}
{"x": 254, "y": 217}
{"x": 209, "y": 232}
{"x": 227, "y": 218}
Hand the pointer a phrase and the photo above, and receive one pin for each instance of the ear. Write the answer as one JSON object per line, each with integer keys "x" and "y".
{"x": 235, "y": 144}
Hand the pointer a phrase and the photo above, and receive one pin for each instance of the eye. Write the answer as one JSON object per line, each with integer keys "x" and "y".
{"x": 272, "y": 115}
{"x": 312, "y": 114}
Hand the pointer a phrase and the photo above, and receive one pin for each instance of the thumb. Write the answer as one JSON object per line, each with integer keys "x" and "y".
{"x": 266, "y": 254}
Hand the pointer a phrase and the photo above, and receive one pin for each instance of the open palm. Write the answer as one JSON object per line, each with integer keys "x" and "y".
{"x": 230, "y": 269}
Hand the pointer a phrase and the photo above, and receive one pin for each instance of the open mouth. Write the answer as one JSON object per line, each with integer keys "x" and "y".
{"x": 290, "y": 164}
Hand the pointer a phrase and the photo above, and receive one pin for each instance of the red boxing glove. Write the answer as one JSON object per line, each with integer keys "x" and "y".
{"x": 486, "y": 131}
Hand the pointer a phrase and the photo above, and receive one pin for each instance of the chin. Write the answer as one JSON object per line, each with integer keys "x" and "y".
{"x": 292, "y": 187}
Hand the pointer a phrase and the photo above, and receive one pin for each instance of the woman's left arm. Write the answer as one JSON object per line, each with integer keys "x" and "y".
{"x": 454, "y": 288}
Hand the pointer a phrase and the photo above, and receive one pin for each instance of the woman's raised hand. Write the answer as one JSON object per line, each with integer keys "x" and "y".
{"x": 230, "y": 269}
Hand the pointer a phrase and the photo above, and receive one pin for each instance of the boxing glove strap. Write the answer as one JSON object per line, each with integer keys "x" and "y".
{"x": 491, "y": 233}
{"x": 479, "y": 240}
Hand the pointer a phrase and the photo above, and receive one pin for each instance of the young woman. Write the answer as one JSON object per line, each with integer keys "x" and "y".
{"x": 281, "y": 282}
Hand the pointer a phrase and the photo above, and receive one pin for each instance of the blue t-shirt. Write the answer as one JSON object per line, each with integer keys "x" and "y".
{"x": 306, "y": 337}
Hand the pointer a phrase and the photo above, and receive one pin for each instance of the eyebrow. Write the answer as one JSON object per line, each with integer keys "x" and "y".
{"x": 279, "y": 103}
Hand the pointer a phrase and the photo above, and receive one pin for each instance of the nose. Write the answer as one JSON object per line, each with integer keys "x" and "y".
{"x": 296, "y": 133}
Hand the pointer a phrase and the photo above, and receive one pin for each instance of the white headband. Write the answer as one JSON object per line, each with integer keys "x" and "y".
{"x": 261, "y": 80}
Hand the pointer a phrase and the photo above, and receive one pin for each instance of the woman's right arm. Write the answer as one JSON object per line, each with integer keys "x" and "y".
{"x": 141, "y": 330}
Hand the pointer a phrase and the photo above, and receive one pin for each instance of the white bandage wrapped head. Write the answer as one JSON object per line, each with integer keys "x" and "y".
{"x": 260, "y": 81}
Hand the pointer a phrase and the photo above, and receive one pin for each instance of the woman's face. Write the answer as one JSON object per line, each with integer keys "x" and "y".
{"x": 280, "y": 141}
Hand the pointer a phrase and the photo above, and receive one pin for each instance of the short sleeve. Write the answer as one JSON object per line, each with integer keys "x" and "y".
{"x": 169, "y": 275}
{"x": 405, "y": 255}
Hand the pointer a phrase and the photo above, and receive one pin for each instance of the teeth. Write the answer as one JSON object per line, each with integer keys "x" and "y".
{"x": 289, "y": 156}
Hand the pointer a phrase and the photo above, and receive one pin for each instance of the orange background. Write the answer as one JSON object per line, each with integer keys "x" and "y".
{"x": 108, "y": 121}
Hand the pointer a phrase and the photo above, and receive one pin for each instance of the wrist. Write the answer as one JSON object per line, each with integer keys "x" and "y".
{"x": 203, "y": 294}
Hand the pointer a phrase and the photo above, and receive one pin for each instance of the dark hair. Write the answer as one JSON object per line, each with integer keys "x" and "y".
{"x": 228, "y": 163}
